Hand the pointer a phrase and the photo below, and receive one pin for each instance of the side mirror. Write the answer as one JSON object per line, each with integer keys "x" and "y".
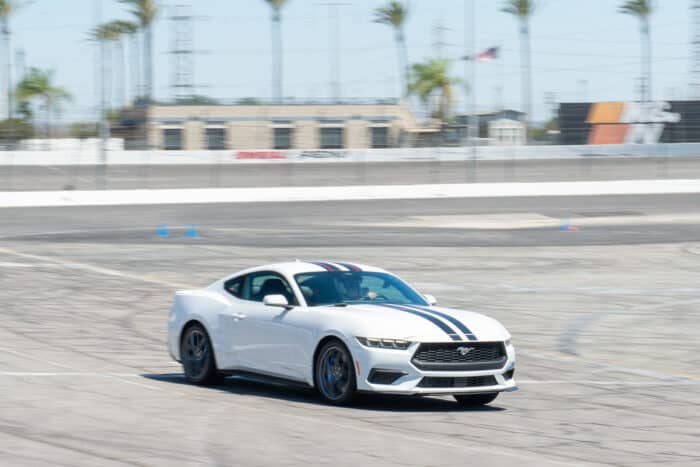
{"x": 430, "y": 299}
{"x": 276, "y": 300}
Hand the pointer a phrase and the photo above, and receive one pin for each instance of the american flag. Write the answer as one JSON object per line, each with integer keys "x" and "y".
{"x": 488, "y": 54}
{"x": 485, "y": 56}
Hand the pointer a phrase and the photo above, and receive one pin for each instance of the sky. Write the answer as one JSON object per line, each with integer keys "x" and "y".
{"x": 581, "y": 50}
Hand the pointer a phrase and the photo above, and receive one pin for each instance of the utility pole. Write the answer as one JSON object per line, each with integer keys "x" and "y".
{"x": 334, "y": 50}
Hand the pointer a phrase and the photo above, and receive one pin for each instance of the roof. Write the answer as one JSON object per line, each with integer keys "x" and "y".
{"x": 292, "y": 268}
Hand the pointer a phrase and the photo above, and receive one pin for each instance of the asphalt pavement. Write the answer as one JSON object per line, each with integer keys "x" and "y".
{"x": 28, "y": 178}
{"x": 600, "y": 293}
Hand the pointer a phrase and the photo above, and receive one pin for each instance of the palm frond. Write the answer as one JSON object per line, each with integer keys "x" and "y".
{"x": 394, "y": 14}
{"x": 519, "y": 8}
{"x": 7, "y": 8}
{"x": 639, "y": 8}
{"x": 276, "y": 4}
{"x": 145, "y": 11}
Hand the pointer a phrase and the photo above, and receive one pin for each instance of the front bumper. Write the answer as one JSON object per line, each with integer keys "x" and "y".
{"x": 414, "y": 381}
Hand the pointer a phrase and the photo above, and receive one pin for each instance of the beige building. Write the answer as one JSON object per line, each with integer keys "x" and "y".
{"x": 243, "y": 127}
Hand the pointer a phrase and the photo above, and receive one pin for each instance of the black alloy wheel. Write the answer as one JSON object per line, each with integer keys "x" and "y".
{"x": 335, "y": 373}
{"x": 197, "y": 356}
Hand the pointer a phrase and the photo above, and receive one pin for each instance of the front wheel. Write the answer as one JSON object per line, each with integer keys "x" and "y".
{"x": 475, "y": 400}
{"x": 197, "y": 356}
{"x": 335, "y": 373}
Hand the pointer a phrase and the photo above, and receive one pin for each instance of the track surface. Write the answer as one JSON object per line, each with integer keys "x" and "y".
{"x": 604, "y": 320}
{"x": 17, "y": 178}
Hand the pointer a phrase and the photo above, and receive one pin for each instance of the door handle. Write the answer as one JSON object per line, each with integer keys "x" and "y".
{"x": 238, "y": 316}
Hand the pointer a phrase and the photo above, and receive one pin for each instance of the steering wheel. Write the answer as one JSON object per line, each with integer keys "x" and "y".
{"x": 374, "y": 296}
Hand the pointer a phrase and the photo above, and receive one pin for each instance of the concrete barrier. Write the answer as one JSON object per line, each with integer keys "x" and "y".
{"x": 347, "y": 155}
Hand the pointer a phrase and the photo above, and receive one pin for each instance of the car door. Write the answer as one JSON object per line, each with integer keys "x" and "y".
{"x": 229, "y": 320}
{"x": 271, "y": 340}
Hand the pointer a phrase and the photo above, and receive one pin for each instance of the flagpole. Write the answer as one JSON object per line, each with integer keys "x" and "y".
{"x": 475, "y": 116}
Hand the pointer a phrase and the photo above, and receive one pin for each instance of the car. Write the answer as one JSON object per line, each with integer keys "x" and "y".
{"x": 339, "y": 327}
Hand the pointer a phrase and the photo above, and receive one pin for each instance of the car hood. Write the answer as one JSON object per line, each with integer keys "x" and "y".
{"x": 417, "y": 324}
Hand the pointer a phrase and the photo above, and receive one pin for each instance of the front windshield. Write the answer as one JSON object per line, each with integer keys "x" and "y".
{"x": 339, "y": 287}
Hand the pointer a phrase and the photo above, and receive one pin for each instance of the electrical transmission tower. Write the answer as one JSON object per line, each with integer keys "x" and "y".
{"x": 695, "y": 51}
{"x": 439, "y": 44}
{"x": 182, "y": 51}
{"x": 334, "y": 24}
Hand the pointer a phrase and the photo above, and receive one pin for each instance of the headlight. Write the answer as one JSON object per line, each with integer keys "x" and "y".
{"x": 376, "y": 342}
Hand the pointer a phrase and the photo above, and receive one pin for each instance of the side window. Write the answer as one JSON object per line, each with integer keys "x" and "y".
{"x": 235, "y": 286}
{"x": 268, "y": 283}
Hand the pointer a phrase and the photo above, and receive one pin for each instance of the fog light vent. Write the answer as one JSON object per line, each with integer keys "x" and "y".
{"x": 384, "y": 376}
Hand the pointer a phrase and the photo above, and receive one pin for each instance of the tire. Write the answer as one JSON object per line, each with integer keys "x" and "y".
{"x": 197, "y": 356}
{"x": 334, "y": 373}
{"x": 475, "y": 400}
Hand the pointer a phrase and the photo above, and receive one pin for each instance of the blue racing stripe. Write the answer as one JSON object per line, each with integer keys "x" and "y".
{"x": 470, "y": 335}
{"x": 324, "y": 265}
{"x": 448, "y": 330}
{"x": 351, "y": 267}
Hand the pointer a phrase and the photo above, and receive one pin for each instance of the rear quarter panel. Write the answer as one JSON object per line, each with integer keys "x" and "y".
{"x": 199, "y": 305}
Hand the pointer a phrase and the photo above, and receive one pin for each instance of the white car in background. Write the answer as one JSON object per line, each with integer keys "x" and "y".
{"x": 341, "y": 328}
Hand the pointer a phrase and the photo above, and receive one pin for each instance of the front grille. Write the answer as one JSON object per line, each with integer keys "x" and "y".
{"x": 460, "y": 356}
{"x": 447, "y": 382}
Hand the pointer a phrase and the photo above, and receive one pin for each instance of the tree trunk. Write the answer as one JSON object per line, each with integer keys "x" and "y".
{"x": 526, "y": 74}
{"x": 135, "y": 69}
{"x": 8, "y": 64}
{"x": 148, "y": 62}
{"x": 646, "y": 60}
{"x": 120, "y": 62}
{"x": 403, "y": 61}
{"x": 108, "y": 78}
{"x": 277, "y": 93}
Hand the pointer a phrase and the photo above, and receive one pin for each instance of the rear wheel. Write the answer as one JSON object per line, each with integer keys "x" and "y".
{"x": 335, "y": 373}
{"x": 197, "y": 356}
{"x": 475, "y": 400}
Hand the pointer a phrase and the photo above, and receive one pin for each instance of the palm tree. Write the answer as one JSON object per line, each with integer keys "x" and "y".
{"x": 7, "y": 8}
{"x": 642, "y": 9}
{"x": 394, "y": 14}
{"x": 431, "y": 77}
{"x": 38, "y": 84}
{"x": 277, "y": 59}
{"x": 107, "y": 34}
{"x": 122, "y": 29}
{"x": 523, "y": 10}
{"x": 145, "y": 12}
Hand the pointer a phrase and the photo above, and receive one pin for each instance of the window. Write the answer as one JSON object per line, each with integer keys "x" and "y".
{"x": 172, "y": 139}
{"x": 332, "y": 137}
{"x": 235, "y": 286}
{"x": 380, "y": 137}
{"x": 323, "y": 288}
{"x": 283, "y": 137}
{"x": 260, "y": 284}
{"x": 216, "y": 138}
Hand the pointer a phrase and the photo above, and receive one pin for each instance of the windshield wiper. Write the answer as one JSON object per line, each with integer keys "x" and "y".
{"x": 339, "y": 304}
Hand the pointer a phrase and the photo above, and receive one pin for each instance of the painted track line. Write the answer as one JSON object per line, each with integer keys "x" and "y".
{"x": 93, "y": 268}
{"x": 344, "y": 193}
